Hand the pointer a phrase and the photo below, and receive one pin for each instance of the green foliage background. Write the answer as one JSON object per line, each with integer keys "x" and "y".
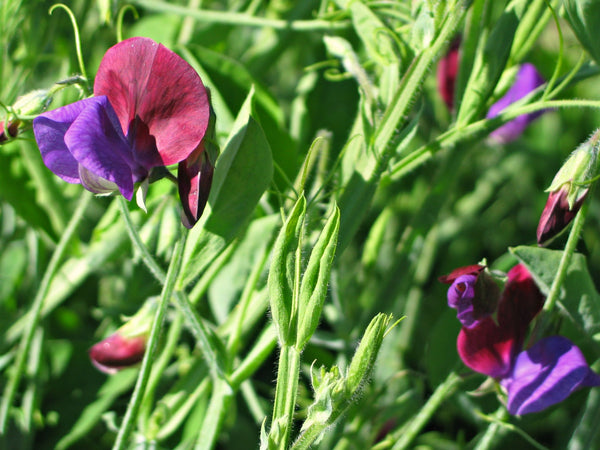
{"x": 301, "y": 108}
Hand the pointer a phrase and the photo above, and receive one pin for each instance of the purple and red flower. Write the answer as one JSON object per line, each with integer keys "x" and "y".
{"x": 534, "y": 379}
{"x": 149, "y": 109}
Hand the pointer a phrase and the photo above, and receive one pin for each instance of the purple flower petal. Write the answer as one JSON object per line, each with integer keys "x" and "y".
{"x": 49, "y": 129}
{"x": 528, "y": 79}
{"x": 547, "y": 374}
{"x": 460, "y": 297}
{"x": 97, "y": 143}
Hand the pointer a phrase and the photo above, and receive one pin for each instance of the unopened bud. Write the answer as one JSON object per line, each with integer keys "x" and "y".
{"x": 125, "y": 347}
{"x": 568, "y": 190}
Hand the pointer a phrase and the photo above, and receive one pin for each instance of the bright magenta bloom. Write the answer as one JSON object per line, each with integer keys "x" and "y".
{"x": 536, "y": 378}
{"x": 149, "y": 109}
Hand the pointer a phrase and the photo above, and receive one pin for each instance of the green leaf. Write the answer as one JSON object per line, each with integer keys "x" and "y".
{"x": 283, "y": 268}
{"x": 242, "y": 174}
{"x": 16, "y": 189}
{"x": 578, "y": 295}
{"x": 584, "y": 18}
{"x": 313, "y": 289}
{"x": 376, "y": 36}
{"x": 489, "y": 63}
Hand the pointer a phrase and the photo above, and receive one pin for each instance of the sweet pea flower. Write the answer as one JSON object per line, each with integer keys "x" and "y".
{"x": 536, "y": 378}
{"x": 528, "y": 79}
{"x": 150, "y": 109}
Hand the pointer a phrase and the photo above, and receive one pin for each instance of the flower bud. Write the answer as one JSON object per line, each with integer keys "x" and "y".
{"x": 125, "y": 347}
{"x": 195, "y": 173}
{"x": 117, "y": 352}
{"x": 568, "y": 190}
{"x": 364, "y": 358}
{"x": 9, "y": 130}
{"x": 33, "y": 103}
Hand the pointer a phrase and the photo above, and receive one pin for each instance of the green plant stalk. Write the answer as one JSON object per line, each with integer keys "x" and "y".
{"x": 36, "y": 308}
{"x": 490, "y": 437}
{"x": 394, "y": 118}
{"x": 145, "y": 369}
{"x": 195, "y": 323}
{"x": 286, "y": 392}
{"x": 77, "y": 41}
{"x": 233, "y": 344}
{"x": 218, "y": 408}
{"x": 476, "y": 130}
{"x": 261, "y": 351}
{"x": 241, "y": 19}
{"x": 565, "y": 260}
{"x": 159, "y": 368}
{"x": 442, "y": 392}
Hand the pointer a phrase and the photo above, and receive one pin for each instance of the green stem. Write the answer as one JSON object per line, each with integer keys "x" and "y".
{"x": 490, "y": 438}
{"x": 36, "y": 309}
{"x": 440, "y": 395}
{"x": 261, "y": 351}
{"x": 147, "y": 258}
{"x": 77, "y": 41}
{"x": 233, "y": 344}
{"x": 144, "y": 375}
{"x": 285, "y": 396}
{"x": 241, "y": 19}
{"x": 195, "y": 323}
{"x": 159, "y": 368}
{"x": 218, "y": 408}
{"x": 565, "y": 260}
{"x": 476, "y": 130}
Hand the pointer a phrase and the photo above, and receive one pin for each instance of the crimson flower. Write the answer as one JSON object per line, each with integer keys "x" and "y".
{"x": 150, "y": 109}
{"x": 536, "y": 378}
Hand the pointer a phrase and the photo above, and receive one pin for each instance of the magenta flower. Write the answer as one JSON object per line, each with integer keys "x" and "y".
{"x": 149, "y": 109}
{"x": 528, "y": 79}
{"x": 118, "y": 352}
{"x": 534, "y": 379}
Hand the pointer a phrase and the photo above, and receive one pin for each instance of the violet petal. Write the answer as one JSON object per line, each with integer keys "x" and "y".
{"x": 460, "y": 297}
{"x": 96, "y": 141}
{"x": 547, "y": 374}
{"x": 49, "y": 129}
{"x": 528, "y": 79}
